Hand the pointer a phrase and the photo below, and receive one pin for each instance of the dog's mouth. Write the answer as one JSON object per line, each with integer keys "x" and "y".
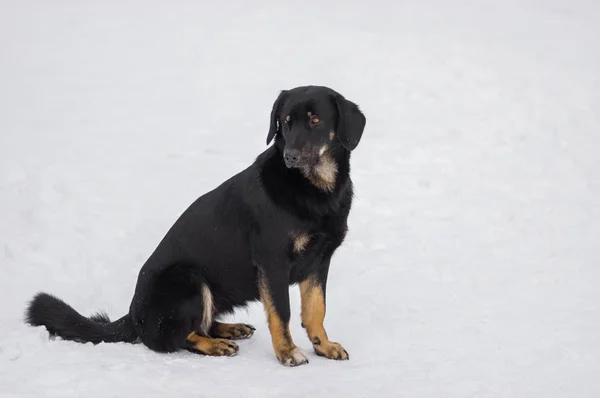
{"x": 302, "y": 163}
{"x": 295, "y": 165}
{"x": 307, "y": 158}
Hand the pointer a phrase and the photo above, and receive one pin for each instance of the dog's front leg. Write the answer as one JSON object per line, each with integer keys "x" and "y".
{"x": 312, "y": 291}
{"x": 273, "y": 287}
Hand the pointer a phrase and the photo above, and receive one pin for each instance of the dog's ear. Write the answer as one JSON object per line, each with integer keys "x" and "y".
{"x": 351, "y": 122}
{"x": 275, "y": 125}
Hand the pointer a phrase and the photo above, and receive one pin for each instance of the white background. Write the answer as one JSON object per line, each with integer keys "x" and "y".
{"x": 472, "y": 266}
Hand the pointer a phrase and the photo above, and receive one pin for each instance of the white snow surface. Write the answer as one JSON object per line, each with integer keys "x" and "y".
{"x": 472, "y": 265}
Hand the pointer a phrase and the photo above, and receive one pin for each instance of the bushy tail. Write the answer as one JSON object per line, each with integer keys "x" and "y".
{"x": 62, "y": 320}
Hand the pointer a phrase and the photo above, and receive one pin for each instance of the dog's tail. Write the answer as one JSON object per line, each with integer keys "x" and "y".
{"x": 60, "y": 319}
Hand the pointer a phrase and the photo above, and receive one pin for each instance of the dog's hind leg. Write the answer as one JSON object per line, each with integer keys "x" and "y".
{"x": 208, "y": 310}
{"x": 175, "y": 311}
{"x": 198, "y": 340}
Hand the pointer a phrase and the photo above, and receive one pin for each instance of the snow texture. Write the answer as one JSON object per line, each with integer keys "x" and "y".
{"x": 472, "y": 266}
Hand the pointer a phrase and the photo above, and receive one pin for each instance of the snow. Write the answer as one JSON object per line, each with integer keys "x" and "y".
{"x": 472, "y": 264}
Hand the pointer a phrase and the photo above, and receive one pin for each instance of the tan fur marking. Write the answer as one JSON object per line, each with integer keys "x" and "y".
{"x": 286, "y": 351}
{"x": 232, "y": 331}
{"x": 309, "y": 113}
{"x": 324, "y": 174}
{"x": 331, "y": 135}
{"x": 280, "y": 333}
{"x": 210, "y": 346}
{"x": 300, "y": 242}
{"x": 207, "y": 313}
{"x": 313, "y": 309}
{"x": 313, "y": 315}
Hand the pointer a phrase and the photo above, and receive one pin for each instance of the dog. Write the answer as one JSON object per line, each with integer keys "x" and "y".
{"x": 275, "y": 224}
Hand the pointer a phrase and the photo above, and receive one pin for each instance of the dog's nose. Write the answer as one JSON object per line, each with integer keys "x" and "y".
{"x": 291, "y": 156}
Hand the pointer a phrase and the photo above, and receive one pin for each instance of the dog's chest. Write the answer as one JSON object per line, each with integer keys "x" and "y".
{"x": 305, "y": 243}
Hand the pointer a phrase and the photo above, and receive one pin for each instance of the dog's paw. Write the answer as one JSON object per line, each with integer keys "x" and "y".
{"x": 294, "y": 357}
{"x": 331, "y": 350}
{"x": 224, "y": 348}
{"x": 214, "y": 347}
{"x": 232, "y": 331}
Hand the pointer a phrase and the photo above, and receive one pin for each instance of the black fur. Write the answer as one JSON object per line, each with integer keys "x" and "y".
{"x": 237, "y": 231}
{"x": 62, "y": 320}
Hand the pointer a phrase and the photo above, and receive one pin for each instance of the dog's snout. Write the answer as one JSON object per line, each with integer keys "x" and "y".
{"x": 291, "y": 156}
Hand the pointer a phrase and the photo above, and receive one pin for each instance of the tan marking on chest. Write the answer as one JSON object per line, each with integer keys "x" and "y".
{"x": 300, "y": 242}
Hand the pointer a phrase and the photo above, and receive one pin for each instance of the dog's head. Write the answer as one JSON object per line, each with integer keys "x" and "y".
{"x": 312, "y": 121}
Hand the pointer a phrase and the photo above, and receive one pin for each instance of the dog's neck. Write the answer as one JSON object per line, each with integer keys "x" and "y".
{"x": 324, "y": 174}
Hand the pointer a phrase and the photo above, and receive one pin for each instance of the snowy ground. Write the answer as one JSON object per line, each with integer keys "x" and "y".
{"x": 472, "y": 268}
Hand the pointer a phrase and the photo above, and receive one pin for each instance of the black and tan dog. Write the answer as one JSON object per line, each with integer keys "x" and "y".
{"x": 275, "y": 224}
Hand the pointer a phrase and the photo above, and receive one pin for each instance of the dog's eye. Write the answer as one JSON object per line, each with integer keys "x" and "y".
{"x": 287, "y": 119}
{"x": 315, "y": 119}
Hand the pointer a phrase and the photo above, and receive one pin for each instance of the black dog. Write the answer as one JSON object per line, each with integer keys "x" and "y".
{"x": 275, "y": 224}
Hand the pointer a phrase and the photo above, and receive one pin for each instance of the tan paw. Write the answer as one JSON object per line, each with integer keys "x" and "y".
{"x": 213, "y": 347}
{"x": 329, "y": 349}
{"x": 223, "y": 348}
{"x": 232, "y": 331}
{"x": 294, "y": 357}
